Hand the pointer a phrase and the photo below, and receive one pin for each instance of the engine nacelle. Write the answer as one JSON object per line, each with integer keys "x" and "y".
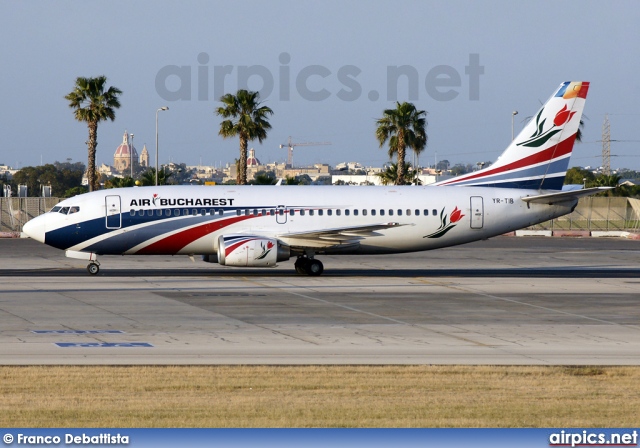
{"x": 251, "y": 251}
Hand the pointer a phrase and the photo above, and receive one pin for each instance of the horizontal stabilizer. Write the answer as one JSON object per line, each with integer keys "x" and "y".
{"x": 563, "y": 196}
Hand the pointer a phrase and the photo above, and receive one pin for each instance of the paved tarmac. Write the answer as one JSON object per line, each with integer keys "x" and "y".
{"x": 501, "y": 301}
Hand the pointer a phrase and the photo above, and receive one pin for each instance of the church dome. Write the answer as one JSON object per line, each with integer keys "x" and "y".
{"x": 124, "y": 149}
{"x": 252, "y": 160}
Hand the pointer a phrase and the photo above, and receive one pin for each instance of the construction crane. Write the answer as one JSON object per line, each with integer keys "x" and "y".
{"x": 291, "y": 145}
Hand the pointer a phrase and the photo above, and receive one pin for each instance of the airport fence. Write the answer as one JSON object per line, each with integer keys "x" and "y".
{"x": 598, "y": 214}
{"x": 14, "y": 212}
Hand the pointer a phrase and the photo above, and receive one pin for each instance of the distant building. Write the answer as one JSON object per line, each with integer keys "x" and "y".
{"x": 144, "y": 157}
{"x": 252, "y": 160}
{"x": 125, "y": 154}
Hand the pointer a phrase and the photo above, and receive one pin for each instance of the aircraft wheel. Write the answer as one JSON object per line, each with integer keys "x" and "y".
{"x": 300, "y": 266}
{"x": 93, "y": 268}
{"x": 314, "y": 268}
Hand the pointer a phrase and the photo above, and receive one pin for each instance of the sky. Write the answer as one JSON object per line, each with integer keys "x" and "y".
{"x": 327, "y": 69}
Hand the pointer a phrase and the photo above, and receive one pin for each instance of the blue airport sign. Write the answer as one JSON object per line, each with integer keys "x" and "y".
{"x": 103, "y": 344}
{"x": 77, "y": 331}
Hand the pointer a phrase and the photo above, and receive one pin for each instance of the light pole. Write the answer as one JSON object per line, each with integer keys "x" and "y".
{"x": 161, "y": 108}
{"x": 131, "y": 155}
{"x": 513, "y": 114}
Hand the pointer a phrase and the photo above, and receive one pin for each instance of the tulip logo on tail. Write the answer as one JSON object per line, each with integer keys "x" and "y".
{"x": 265, "y": 250}
{"x": 456, "y": 215}
{"x": 540, "y": 137}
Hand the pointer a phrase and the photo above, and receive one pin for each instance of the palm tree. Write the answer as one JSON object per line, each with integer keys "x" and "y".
{"x": 119, "y": 182}
{"x": 390, "y": 175}
{"x": 404, "y": 127}
{"x": 148, "y": 178}
{"x": 93, "y": 104}
{"x": 579, "y": 132}
{"x": 245, "y": 118}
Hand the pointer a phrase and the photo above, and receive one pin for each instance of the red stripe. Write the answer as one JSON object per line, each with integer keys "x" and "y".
{"x": 173, "y": 243}
{"x": 233, "y": 247}
{"x": 583, "y": 90}
{"x": 561, "y": 149}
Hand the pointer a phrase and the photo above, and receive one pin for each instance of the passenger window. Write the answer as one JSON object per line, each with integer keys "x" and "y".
{"x": 434, "y": 212}
{"x": 338, "y": 212}
{"x": 426, "y": 212}
{"x": 346, "y": 212}
{"x": 390, "y": 212}
{"x": 399, "y": 212}
{"x": 329, "y": 212}
{"x": 364, "y": 212}
{"x": 263, "y": 212}
{"x": 194, "y": 212}
{"x": 311, "y": 212}
{"x": 132, "y": 212}
{"x": 408, "y": 212}
{"x": 246, "y": 212}
{"x": 176, "y": 212}
{"x": 381, "y": 212}
{"x": 301, "y": 212}
{"x": 167, "y": 212}
{"x": 320, "y": 212}
{"x": 355, "y": 212}
{"x": 238, "y": 212}
{"x": 373, "y": 212}
{"x": 272, "y": 212}
{"x": 255, "y": 211}
{"x": 149, "y": 212}
{"x": 292, "y": 212}
{"x": 158, "y": 212}
{"x": 281, "y": 212}
{"x": 417, "y": 212}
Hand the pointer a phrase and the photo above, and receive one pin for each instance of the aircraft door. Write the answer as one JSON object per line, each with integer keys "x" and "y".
{"x": 281, "y": 214}
{"x": 113, "y": 216}
{"x": 477, "y": 212}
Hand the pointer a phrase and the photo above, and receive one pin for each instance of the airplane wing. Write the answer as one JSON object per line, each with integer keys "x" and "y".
{"x": 563, "y": 196}
{"x": 340, "y": 236}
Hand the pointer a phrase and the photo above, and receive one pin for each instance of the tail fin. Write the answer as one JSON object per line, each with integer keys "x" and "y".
{"x": 538, "y": 158}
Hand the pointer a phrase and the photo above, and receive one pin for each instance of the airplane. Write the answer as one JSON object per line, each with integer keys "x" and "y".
{"x": 260, "y": 226}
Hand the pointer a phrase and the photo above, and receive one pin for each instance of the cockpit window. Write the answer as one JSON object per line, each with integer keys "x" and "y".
{"x": 55, "y": 209}
{"x": 74, "y": 209}
{"x": 64, "y": 210}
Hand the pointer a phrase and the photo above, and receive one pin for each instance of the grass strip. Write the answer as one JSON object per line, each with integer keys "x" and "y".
{"x": 319, "y": 396}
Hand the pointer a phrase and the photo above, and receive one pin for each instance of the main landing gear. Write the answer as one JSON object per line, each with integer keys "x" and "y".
{"x": 93, "y": 268}
{"x": 308, "y": 266}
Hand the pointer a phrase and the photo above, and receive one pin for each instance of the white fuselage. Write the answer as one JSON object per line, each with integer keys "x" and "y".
{"x": 322, "y": 219}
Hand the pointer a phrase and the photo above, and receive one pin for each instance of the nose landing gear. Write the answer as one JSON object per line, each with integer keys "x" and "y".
{"x": 93, "y": 268}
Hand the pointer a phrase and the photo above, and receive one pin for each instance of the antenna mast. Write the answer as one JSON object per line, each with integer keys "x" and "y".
{"x": 606, "y": 146}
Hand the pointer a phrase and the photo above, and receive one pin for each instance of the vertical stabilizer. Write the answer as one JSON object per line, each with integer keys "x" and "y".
{"x": 539, "y": 156}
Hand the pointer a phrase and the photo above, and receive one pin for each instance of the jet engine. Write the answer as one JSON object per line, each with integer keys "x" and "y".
{"x": 251, "y": 251}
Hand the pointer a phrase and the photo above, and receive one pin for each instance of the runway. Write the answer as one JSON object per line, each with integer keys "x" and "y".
{"x": 501, "y": 301}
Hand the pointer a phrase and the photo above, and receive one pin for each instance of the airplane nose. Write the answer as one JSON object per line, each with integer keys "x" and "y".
{"x": 35, "y": 228}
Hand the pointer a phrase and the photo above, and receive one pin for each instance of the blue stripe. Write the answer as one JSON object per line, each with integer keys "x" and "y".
{"x": 549, "y": 183}
{"x": 71, "y": 235}
{"x": 557, "y": 168}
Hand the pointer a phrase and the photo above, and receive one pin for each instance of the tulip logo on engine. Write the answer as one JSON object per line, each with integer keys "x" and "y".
{"x": 265, "y": 250}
